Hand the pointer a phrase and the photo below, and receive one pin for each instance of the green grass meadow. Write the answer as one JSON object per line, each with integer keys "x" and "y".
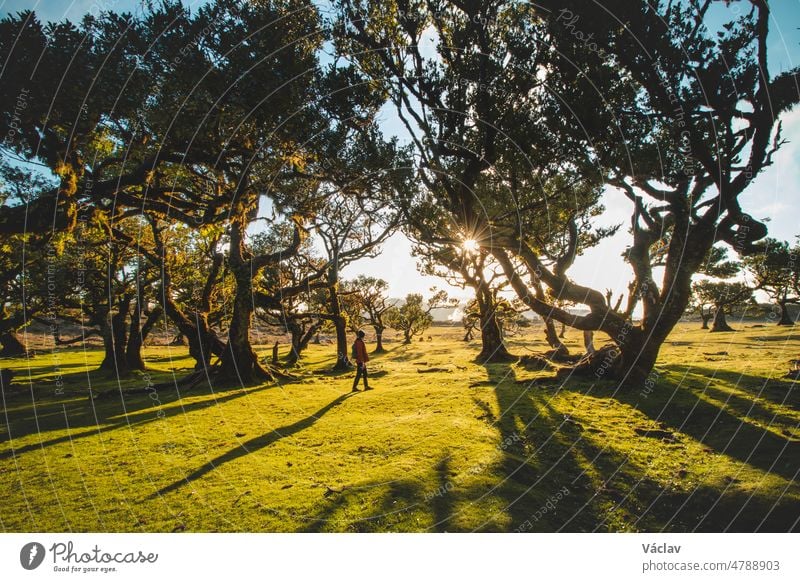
{"x": 711, "y": 443}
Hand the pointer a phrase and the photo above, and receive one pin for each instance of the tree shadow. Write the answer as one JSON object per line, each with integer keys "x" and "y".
{"x": 22, "y": 374}
{"x": 778, "y": 391}
{"x": 776, "y": 338}
{"x": 607, "y": 492}
{"x": 442, "y": 501}
{"x": 253, "y": 445}
{"x": 330, "y": 372}
{"x": 539, "y": 457}
{"x": 104, "y": 414}
{"x": 407, "y": 352}
{"x": 182, "y": 355}
{"x": 744, "y": 403}
{"x": 714, "y": 426}
{"x": 708, "y": 509}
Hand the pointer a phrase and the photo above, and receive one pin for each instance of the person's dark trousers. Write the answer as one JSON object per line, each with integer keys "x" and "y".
{"x": 361, "y": 370}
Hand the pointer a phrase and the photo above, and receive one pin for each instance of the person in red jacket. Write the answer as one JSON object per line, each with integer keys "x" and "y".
{"x": 361, "y": 358}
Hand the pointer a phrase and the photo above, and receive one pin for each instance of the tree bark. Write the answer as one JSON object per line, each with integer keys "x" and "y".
{"x": 551, "y": 335}
{"x": 300, "y": 339}
{"x": 115, "y": 336}
{"x": 785, "y": 319}
{"x": 238, "y": 360}
{"x": 637, "y": 360}
{"x": 12, "y": 345}
{"x": 720, "y": 322}
{"x": 133, "y": 351}
{"x": 342, "y": 358}
{"x": 138, "y": 334}
{"x": 588, "y": 341}
{"x": 339, "y": 323}
{"x": 493, "y": 348}
{"x": 379, "y": 349}
{"x": 295, "y": 335}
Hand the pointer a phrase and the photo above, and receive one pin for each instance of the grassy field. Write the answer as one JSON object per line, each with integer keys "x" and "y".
{"x": 711, "y": 443}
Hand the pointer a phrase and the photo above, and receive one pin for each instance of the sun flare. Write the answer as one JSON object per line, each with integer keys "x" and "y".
{"x": 471, "y": 245}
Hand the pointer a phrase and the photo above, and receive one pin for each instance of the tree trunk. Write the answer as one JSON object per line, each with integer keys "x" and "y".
{"x": 630, "y": 361}
{"x": 115, "y": 336}
{"x": 407, "y": 336}
{"x": 720, "y": 323}
{"x": 785, "y": 319}
{"x": 239, "y": 361}
{"x": 559, "y": 349}
{"x": 339, "y": 324}
{"x": 133, "y": 352}
{"x": 12, "y": 345}
{"x": 342, "y": 359}
{"x": 296, "y": 335}
{"x": 637, "y": 361}
{"x": 379, "y": 349}
{"x": 493, "y": 348}
{"x": 300, "y": 339}
{"x": 203, "y": 342}
{"x": 152, "y": 319}
{"x": 588, "y": 341}
{"x": 138, "y": 334}
{"x": 706, "y": 317}
{"x": 306, "y": 339}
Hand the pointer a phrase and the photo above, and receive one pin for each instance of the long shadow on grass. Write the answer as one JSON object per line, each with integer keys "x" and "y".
{"x": 254, "y": 445}
{"x": 389, "y": 514}
{"x": 654, "y": 506}
{"x": 442, "y": 502}
{"x": 741, "y": 399}
{"x": 607, "y": 491}
{"x": 77, "y": 414}
{"x": 678, "y": 409}
{"x": 779, "y": 392}
{"x": 539, "y": 458}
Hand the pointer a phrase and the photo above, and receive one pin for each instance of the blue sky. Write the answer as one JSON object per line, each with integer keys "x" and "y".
{"x": 773, "y": 194}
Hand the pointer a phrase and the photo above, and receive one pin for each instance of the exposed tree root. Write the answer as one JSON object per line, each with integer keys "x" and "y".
{"x": 562, "y": 356}
{"x": 536, "y": 363}
{"x": 604, "y": 363}
{"x": 496, "y": 357}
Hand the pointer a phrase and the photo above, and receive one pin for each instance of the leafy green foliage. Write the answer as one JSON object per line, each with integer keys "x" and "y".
{"x": 776, "y": 270}
{"x": 414, "y": 316}
{"x": 724, "y": 294}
